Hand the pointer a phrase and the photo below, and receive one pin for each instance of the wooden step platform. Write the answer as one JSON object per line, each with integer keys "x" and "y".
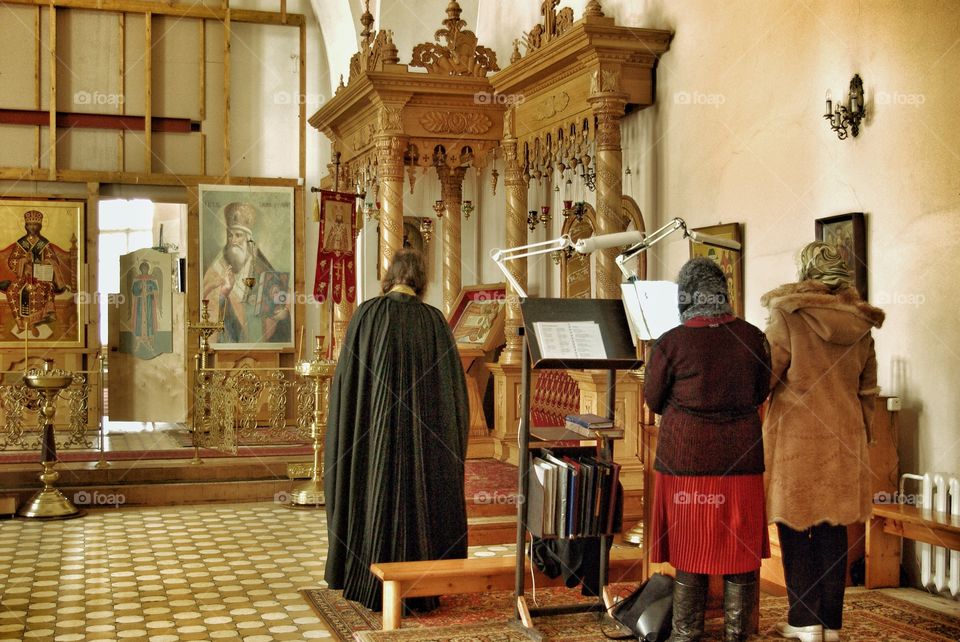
{"x": 477, "y": 575}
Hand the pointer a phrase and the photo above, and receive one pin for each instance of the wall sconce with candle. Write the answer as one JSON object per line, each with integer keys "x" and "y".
{"x": 426, "y": 229}
{"x": 576, "y": 210}
{"x": 532, "y": 220}
{"x": 545, "y": 215}
{"x": 372, "y": 211}
{"x": 841, "y": 116}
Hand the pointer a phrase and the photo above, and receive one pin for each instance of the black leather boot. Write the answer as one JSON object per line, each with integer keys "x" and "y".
{"x": 739, "y": 603}
{"x": 689, "y": 602}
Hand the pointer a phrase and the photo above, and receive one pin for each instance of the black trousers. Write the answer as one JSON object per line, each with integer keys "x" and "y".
{"x": 815, "y": 567}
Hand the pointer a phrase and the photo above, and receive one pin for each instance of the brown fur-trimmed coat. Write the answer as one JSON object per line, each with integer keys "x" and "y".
{"x": 824, "y": 386}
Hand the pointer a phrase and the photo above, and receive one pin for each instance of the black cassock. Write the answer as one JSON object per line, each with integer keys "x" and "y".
{"x": 396, "y": 445}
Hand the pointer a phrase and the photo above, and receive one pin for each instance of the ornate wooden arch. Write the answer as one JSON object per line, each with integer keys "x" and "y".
{"x": 570, "y": 266}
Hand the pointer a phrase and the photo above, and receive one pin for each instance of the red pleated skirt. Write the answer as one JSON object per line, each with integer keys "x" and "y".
{"x": 715, "y": 525}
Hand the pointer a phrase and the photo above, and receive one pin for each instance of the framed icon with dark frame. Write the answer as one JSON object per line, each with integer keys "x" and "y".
{"x": 848, "y": 233}
{"x": 730, "y": 261}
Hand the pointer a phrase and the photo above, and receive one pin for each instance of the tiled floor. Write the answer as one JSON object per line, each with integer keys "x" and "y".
{"x": 165, "y": 574}
{"x": 176, "y": 573}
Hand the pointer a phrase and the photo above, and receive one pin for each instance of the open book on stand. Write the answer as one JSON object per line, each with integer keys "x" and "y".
{"x": 651, "y": 308}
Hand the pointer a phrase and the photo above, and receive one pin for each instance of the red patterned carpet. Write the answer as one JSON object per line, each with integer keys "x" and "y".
{"x": 345, "y": 618}
{"x": 488, "y": 479}
{"x": 869, "y": 616}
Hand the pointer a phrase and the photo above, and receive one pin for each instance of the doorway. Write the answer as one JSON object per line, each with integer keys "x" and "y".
{"x": 125, "y": 226}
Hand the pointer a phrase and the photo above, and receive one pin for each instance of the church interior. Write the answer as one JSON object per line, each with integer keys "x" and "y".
{"x": 196, "y": 196}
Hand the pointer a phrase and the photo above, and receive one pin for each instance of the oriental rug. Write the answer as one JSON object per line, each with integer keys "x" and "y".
{"x": 490, "y": 481}
{"x": 869, "y": 616}
{"x": 344, "y": 618}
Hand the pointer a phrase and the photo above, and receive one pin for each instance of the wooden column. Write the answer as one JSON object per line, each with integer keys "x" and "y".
{"x": 507, "y": 391}
{"x": 390, "y": 150}
{"x": 451, "y": 191}
{"x": 506, "y": 372}
{"x": 516, "y": 189}
{"x": 608, "y": 107}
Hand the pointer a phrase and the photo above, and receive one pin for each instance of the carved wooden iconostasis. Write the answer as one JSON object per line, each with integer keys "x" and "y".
{"x": 577, "y": 78}
{"x": 389, "y": 123}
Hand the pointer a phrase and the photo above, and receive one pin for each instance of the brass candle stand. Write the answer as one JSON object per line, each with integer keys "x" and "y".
{"x": 48, "y": 503}
{"x": 320, "y": 372}
{"x": 205, "y": 327}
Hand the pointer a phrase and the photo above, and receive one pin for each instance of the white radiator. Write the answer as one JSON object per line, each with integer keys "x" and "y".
{"x": 939, "y": 567}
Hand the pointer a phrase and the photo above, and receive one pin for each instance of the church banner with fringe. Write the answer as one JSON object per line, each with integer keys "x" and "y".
{"x": 336, "y": 256}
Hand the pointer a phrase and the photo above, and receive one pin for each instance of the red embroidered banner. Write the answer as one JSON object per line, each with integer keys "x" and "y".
{"x": 336, "y": 269}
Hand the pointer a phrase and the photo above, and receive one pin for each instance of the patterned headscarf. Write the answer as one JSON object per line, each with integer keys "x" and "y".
{"x": 702, "y": 290}
{"x": 823, "y": 262}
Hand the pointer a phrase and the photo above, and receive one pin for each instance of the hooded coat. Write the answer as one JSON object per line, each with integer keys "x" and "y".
{"x": 824, "y": 387}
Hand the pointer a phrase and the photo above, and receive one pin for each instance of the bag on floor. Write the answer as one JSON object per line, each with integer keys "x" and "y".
{"x": 648, "y": 611}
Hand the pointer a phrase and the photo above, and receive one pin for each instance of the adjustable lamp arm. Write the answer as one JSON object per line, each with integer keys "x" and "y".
{"x": 524, "y": 251}
{"x": 652, "y": 239}
{"x": 664, "y": 232}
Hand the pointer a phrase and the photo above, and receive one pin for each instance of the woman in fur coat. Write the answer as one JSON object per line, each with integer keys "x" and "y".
{"x": 815, "y": 433}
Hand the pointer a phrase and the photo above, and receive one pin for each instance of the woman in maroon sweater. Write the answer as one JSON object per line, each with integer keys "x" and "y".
{"x": 707, "y": 379}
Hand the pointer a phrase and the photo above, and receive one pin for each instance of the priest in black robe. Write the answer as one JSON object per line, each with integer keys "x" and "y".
{"x": 396, "y": 439}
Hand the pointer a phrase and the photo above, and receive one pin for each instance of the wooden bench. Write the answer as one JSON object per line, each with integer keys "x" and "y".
{"x": 889, "y": 524}
{"x": 476, "y": 575}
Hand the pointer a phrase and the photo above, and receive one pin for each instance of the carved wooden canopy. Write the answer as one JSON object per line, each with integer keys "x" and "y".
{"x": 568, "y": 67}
{"x": 447, "y": 115}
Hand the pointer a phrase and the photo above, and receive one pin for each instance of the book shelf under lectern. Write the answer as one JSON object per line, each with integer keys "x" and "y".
{"x": 618, "y": 353}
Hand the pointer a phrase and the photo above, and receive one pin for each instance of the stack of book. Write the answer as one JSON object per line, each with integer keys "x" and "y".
{"x": 589, "y": 425}
{"x": 571, "y": 495}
